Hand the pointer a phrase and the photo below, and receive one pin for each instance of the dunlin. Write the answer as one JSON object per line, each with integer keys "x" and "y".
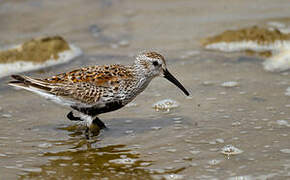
{"x": 99, "y": 89}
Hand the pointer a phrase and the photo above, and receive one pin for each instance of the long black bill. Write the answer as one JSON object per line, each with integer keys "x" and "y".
{"x": 172, "y": 79}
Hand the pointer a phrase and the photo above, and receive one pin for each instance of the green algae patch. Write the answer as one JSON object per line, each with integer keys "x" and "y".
{"x": 254, "y": 33}
{"x": 36, "y": 50}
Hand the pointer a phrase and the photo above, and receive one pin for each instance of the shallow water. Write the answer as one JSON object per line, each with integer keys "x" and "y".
{"x": 37, "y": 141}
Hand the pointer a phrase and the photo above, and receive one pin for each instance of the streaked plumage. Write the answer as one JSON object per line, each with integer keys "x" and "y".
{"x": 99, "y": 89}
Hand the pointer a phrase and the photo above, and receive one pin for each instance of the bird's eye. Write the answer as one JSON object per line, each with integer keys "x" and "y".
{"x": 155, "y": 63}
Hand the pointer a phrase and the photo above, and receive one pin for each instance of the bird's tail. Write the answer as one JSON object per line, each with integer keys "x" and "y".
{"x": 29, "y": 83}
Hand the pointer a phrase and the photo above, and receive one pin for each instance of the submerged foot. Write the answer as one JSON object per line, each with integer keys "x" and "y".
{"x": 71, "y": 117}
{"x": 100, "y": 123}
{"x": 87, "y": 133}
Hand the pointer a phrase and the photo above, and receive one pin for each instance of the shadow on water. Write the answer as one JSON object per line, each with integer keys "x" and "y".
{"x": 85, "y": 160}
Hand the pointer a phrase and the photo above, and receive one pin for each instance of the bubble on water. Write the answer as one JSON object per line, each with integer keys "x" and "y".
{"x": 63, "y": 164}
{"x": 194, "y": 152}
{"x": 285, "y": 151}
{"x": 177, "y": 127}
{"x": 283, "y": 123}
{"x": 231, "y": 150}
{"x": 282, "y": 113}
{"x": 236, "y": 138}
{"x": 157, "y": 95}
{"x": 123, "y": 43}
{"x": 53, "y": 158}
{"x": 75, "y": 164}
{"x": 11, "y": 167}
{"x": 178, "y": 161}
{"x": 145, "y": 164}
{"x": 236, "y": 123}
{"x": 66, "y": 158}
{"x": 173, "y": 177}
{"x": 3, "y": 155}
{"x": 156, "y": 128}
{"x": 258, "y": 127}
{"x": 123, "y": 161}
{"x": 220, "y": 140}
{"x": 214, "y": 162}
{"x": 95, "y": 30}
{"x": 240, "y": 109}
{"x": 177, "y": 118}
{"x": 207, "y": 83}
{"x": 223, "y": 93}
{"x": 165, "y": 105}
{"x": 19, "y": 165}
{"x": 6, "y": 115}
{"x": 287, "y": 105}
{"x": 128, "y": 121}
{"x": 123, "y": 156}
{"x": 87, "y": 169}
{"x": 45, "y": 145}
{"x": 171, "y": 150}
{"x": 193, "y": 164}
{"x": 230, "y": 84}
{"x": 31, "y": 169}
{"x": 177, "y": 122}
{"x": 179, "y": 136}
{"x": 243, "y": 132}
{"x": 187, "y": 158}
{"x": 270, "y": 108}
{"x": 287, "y": 93}
{"x": 221, "y": 110}
{"x": 136, "y": 146}
{"x": 241, "y": 178}
{"x": 129, "y": 132}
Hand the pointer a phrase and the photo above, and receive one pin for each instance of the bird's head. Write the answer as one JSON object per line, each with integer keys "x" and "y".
{"x": 153, "y": 64}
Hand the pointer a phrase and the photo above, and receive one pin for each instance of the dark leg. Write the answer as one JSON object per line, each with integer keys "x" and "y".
{"x": 71, "y": 117}
{"x": 87, "y": 133}
{"x": 98, "y": 122}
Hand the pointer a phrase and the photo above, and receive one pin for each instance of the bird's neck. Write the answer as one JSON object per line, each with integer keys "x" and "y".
{"x": 142, "y": 78}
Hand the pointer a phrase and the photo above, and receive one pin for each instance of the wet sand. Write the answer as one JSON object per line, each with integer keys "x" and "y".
{"x": 37, "y": 141}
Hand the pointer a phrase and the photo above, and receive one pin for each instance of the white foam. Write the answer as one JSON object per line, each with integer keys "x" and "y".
{"x": 21, "y": 66}
{"x": 276, "y": 24}
{"x": 248, "y": 45}
{"x": 278, "y": 62}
